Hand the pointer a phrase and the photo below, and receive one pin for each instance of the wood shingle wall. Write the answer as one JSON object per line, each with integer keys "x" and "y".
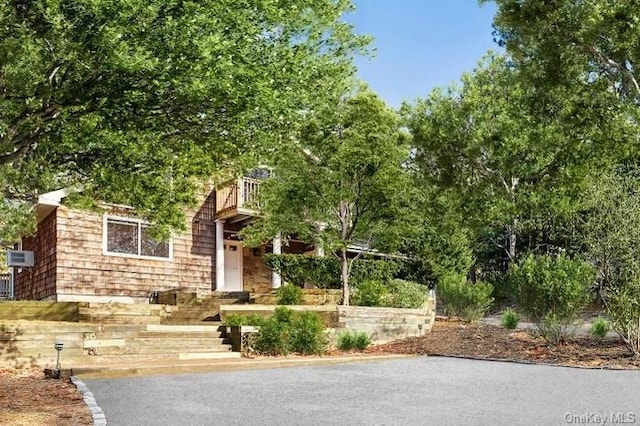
{"x": 84, "y": 270}
{"x": 39, "y": 282}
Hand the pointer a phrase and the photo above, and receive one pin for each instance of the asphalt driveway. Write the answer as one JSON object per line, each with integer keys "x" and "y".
{"x": 412, "y": 391}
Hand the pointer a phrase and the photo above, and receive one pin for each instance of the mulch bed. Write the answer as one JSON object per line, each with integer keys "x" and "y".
{"x": 482, "y": 341}
{"x": 28, "y": 398}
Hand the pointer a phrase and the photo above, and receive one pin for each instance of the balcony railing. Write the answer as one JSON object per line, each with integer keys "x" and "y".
{"x": 240, "y": 196}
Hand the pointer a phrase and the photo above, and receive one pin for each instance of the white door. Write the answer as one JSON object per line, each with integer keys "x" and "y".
{"x": 232, "y": 266}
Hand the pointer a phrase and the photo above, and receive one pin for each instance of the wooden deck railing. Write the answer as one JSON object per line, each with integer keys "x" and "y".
{"x": 242, "y": 193}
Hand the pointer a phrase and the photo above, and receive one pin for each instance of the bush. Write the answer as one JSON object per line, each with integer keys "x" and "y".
{"x": 272, "y": 338}
{"x": 307, "y": 334}
{"x": 552, "y": 292}
{"x": 464, "y": 299}
{"x": 237, "y": 319}
{"x": 510, "y": 319}
{"x": 324, "y": 272}
{"x": 600, "y": 327}
{"x": 289, "y": 294}
{"x": 406, "y": 294}
{"x": 353, "y": 340}
{"x": 623, "y": 309}
{"x": 369, "y": 293}
{"x": 287, "y": 331}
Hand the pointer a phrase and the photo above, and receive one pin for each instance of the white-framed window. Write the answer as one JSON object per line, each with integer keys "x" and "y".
{"x": 131, "y": 237}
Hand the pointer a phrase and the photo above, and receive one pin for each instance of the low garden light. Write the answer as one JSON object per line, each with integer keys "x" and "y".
{"x": 58, "y": 346}
{"x": 420, "y": 328}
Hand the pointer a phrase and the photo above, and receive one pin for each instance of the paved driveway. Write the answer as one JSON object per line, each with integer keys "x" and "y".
{"x": 413, "y": 391}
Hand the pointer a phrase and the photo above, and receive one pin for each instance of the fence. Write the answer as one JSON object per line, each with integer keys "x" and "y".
{"x": 6, "y": 287}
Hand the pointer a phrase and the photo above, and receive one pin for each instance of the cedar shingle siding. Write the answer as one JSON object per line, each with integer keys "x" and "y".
{"x": 39, "y": 282}
{"x": 70, "y": 261}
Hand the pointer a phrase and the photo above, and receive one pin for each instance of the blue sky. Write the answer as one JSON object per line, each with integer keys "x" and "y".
{"x": 421, "y": 44}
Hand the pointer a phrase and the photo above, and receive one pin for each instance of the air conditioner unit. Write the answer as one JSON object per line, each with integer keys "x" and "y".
{"x": 20, "y": 258}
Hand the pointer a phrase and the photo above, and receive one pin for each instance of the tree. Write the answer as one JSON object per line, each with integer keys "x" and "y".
{"x": 133, "y": 101}
{"x": 611, "y": 236}
{"x": 509, "y": 151}
{"x": 340, "y": 183}
{"x": 589, "y": 42}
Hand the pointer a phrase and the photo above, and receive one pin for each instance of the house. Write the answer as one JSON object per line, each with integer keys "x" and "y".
{"x": 110, "y": 257}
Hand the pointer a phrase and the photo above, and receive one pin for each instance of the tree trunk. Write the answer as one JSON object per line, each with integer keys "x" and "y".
{"x": 511, "y": 243}
{"x": 344, "y": 276}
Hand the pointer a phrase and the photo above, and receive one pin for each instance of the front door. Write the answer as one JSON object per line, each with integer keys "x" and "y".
{"x": 233, "y": 266}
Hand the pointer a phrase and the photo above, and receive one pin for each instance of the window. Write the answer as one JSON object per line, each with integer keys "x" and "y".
{"x": 131, "y": 237}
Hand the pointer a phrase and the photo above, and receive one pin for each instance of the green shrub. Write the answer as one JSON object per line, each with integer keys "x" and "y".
{"x": 461, "y": 298}
{"x": 361, "y": 341}
{"x": 406, "y": 294}
{"x": 307, "y": 334}
{"x": 600, "y": 327}
{"x": 289, "y": 294}
{"x": 346, "y": 341}
{"x": 370, "y": 293}
{"x": 353, "y": 340}
{"x": 288, "y": 331}
{"x": 237, "y": 319}
{"x": 510, "y": 319}
{"x": 324, "y": 272}
{"x": 552, "y": 292}
{"x": 272, "y": 338}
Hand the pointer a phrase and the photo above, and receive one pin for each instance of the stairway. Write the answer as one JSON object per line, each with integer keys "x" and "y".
{"x": 158, "y": 342}
{"x": 31, "y": 343}
{"x": 203, "y": 311}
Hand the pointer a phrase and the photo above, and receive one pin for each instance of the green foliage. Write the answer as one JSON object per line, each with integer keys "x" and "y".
{"x": 340, "y": 182}
{"x": 471, "y": 301}
{"x": 272, "y": 338}
{"x": 238, "y": 319}
{"x": 288, "y": 331}
{"x": 297, "y": 269}
{"x": 289, "y": 294}
{"x": 611, "y": 236}
{"x": 370, "y": 293}
{"x": 132, "y": 101}
{"x": 353, "y": 340}
{"x": 552, "y": 292}
{"x": 307, "y": 334}
{"x": 379, "y": 270}
{"x": 406, "y": 294}
{"x": 324, "y": 272}
{"x": 600, "y": 327}
{"x": 507, "y": 172}
{"x": 563, "y": 42}
{"x": 510, "y": 319}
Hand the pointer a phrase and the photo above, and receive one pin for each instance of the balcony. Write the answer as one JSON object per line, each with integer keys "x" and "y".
{"x": 238, "y": 199}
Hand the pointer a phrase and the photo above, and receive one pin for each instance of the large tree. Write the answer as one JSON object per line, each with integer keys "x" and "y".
{"x": 509, "y": 152}
{"x": 341, "y": 182}
{"x": 131, "y": 100}
{"x": 594, "y": 42}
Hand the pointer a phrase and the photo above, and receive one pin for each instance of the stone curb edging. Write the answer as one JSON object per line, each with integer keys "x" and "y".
{"x": 96, "y": 412}
{"x": 526, "y": 362}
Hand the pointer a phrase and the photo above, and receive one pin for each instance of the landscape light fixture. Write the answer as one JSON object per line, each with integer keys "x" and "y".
{"x": 420, "y": 328}
{"x": 58, "y": 346}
